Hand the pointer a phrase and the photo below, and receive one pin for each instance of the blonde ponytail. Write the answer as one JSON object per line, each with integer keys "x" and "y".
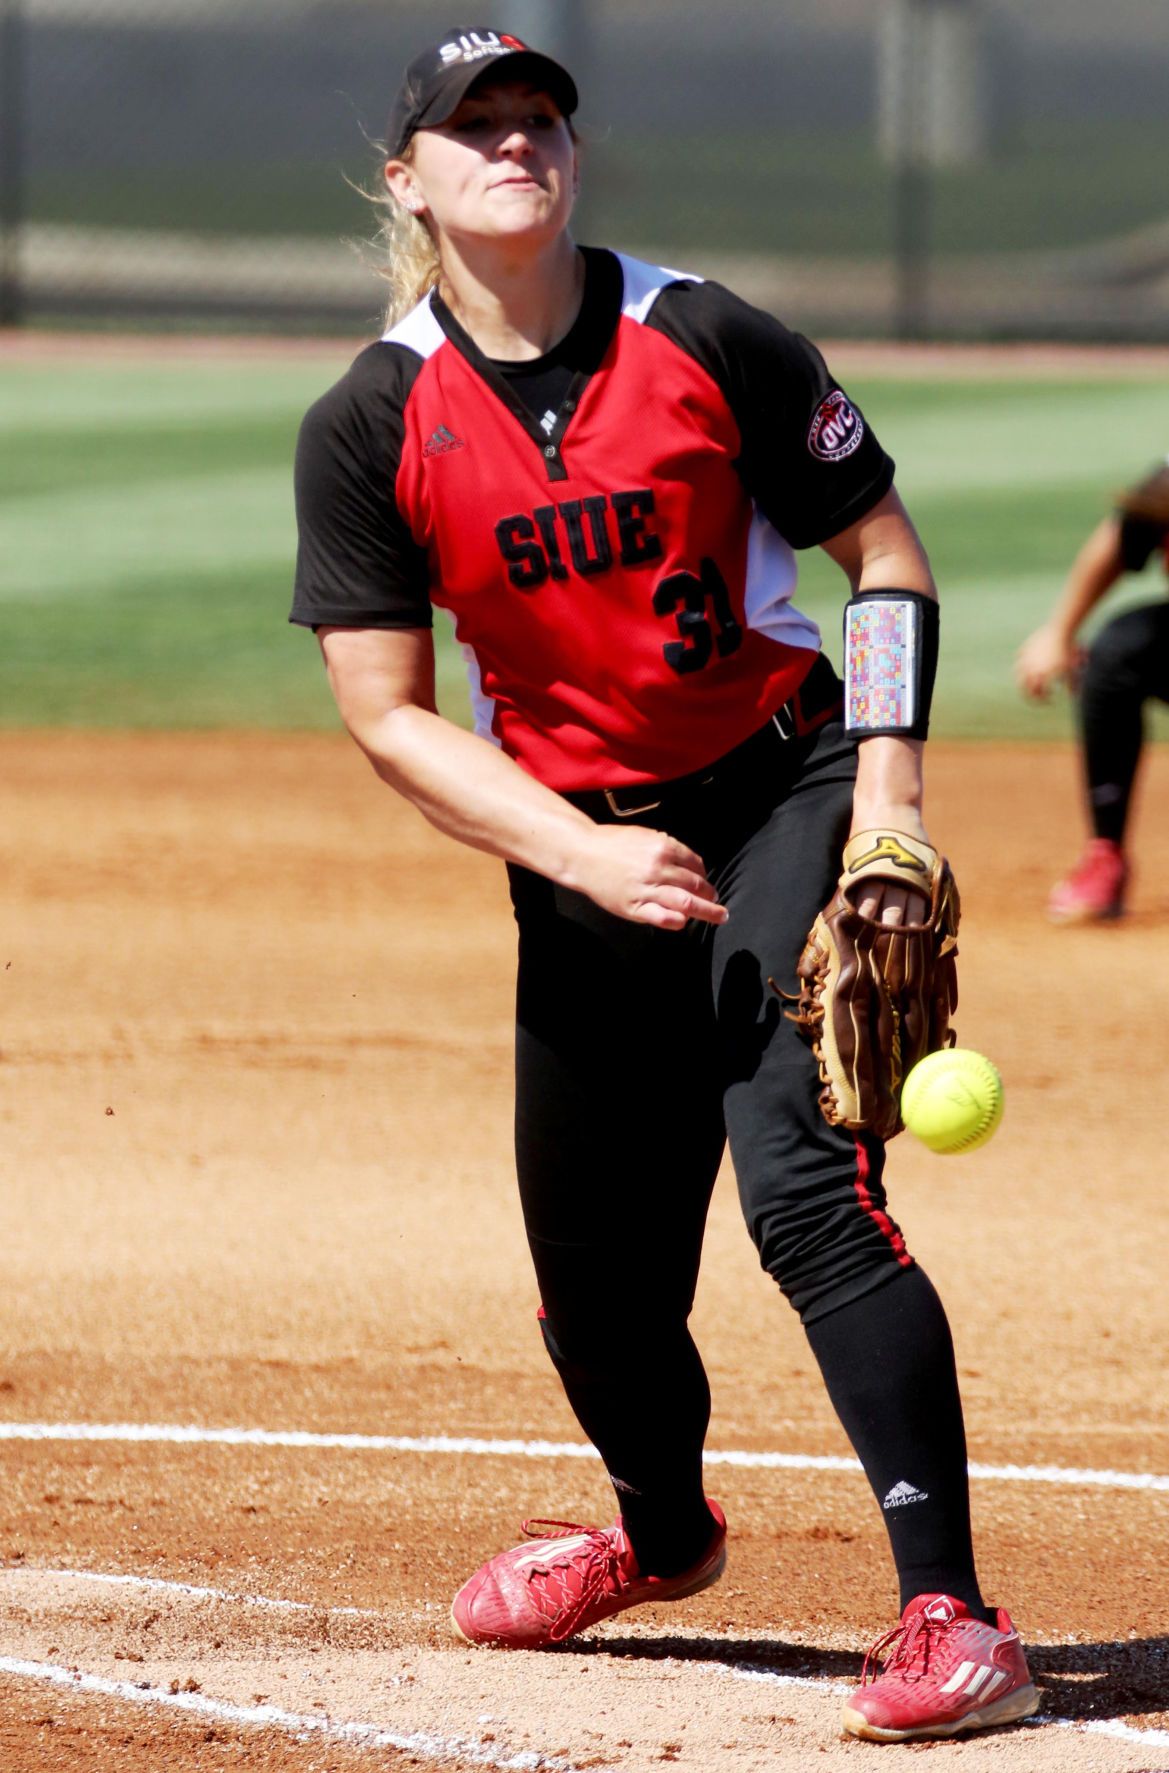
{"x": 404, "y": 253}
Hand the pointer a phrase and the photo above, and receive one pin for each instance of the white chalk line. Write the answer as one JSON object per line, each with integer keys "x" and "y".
{"x": 417, "y": 1742}
{"x": 539, "y": 1449}
{"x": 1104, "y": 1727}
{"x": 209, "y": 1594}
{"x": 193, "y": 1435}
{"x": 219, "y": 1595}
{"x": 821, "y": 1683}
{"x": 1095, "y": 1727}
{"x": 436, "y": 1748}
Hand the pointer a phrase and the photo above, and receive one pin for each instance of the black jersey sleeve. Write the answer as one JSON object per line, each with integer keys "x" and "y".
{"x": 357, "y": 564}
{"x": 1144, "y": 519}
{"x": 808, "y": 458}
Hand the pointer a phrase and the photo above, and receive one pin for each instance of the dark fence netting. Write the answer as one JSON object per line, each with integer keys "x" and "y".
{"x": 922, "y": 168}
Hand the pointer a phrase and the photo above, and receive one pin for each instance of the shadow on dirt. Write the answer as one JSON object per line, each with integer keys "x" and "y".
{"x": 1085, "y": 1681}
{"x": 762, "y": 1655}
{"x": 1078, "y": 1682}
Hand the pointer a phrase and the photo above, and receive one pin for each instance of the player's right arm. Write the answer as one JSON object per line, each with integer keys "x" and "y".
{"x": 383, "y": 681}
{"x": 1053, "y": 651}
{"x": 362, "y": 583}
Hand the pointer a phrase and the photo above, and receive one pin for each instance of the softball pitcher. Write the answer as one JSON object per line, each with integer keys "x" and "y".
{"x": 601, "y": 469}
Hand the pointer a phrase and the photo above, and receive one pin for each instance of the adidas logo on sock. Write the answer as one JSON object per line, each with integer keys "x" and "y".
{"x": 442, "y": 442}
{"x": 903, "y": 1493}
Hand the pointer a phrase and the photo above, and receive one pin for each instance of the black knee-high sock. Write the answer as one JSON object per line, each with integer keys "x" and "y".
{"x": 888, "y": 1363}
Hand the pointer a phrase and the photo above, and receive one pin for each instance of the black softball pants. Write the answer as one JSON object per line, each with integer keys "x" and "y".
{"x": 1127, "y": 664}
{"x": 639, "y": 1054}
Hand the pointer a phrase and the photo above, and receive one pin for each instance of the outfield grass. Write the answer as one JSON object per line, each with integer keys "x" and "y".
{"x": 147, "y": 538}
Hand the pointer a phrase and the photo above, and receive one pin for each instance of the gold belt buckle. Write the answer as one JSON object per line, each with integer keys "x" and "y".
{"x": 627, "y": 812}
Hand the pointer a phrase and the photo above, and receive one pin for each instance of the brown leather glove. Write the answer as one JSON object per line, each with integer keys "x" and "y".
{"x": 874, "y": 997}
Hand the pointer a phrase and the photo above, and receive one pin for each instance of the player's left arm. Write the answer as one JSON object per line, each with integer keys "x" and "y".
{"x": 1054, "y": 651}
{"x": 882, "y": 551}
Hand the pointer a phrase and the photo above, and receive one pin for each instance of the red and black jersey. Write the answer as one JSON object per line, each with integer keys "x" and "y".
{"x": 619, "y": 572}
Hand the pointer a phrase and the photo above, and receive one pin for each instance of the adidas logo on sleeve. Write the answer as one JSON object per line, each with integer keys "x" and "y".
{"x": 442, "y": 442}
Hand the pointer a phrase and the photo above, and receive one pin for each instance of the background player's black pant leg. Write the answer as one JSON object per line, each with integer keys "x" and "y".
{"x": 619, "y": 1136}
{"x": 1127, "y": 663}
{"x": 814, "y": 1197}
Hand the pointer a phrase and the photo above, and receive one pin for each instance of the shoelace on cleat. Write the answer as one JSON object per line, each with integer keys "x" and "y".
{"x": 601, "y": 1558}
{"x": 902, "y": 1646}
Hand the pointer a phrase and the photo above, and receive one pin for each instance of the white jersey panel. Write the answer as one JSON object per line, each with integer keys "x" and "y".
{"x": 771, "y": 579}
{"x": 644, "y": 283}
{"x": 418, "y": 330}
{"x": 482, "y": 705}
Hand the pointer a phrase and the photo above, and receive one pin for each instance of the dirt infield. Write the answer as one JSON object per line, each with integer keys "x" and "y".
{"x": 254, "y": 1089}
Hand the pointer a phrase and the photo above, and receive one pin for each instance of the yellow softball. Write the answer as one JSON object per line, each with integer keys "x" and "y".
{"x": 952, "y": 1101}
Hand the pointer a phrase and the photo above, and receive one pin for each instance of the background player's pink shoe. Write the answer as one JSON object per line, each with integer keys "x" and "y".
{"x": 1095, "y": 888}
{"x": 543, "y": 1591}
{"x": 944, "y": 1672}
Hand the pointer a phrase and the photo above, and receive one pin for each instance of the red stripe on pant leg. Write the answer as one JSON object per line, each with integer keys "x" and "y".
{"x": 882, "y": 1220}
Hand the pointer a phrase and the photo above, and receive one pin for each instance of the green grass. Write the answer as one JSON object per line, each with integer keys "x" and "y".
{"x": 147, "y": 538}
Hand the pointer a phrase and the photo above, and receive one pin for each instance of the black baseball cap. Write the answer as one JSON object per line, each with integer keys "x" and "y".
{"x": 437, "y": 81}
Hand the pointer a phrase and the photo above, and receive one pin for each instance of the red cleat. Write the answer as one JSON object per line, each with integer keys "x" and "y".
{"x": 1095, "y": 888}
{"x": 543, "y": 1591}
{"x": 944, "y": 1672}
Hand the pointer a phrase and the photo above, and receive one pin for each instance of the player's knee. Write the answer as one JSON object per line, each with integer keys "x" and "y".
{"x": 829, "y": 1256}
{"x": 815, "y": 1289}
{"x": 584, "y": 1344}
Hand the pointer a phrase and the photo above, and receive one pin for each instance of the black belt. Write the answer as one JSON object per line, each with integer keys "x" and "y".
{"x": 819, "y": 699}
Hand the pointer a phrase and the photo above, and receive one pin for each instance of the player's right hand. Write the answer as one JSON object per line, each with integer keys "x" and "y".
{"x": 646, "y": 876}
{"x": 1046, "y": 657}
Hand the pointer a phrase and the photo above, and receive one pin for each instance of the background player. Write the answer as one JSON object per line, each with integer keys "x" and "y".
{"x": 1127, "y": 663}
{"x": 600, "y": 468}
